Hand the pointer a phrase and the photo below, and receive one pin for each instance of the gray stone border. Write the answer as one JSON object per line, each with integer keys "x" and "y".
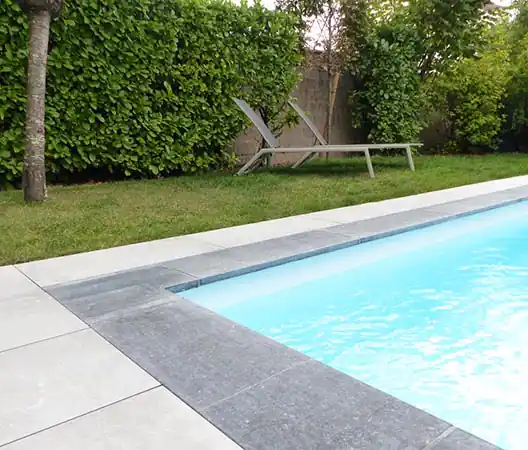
{"x": 260, "y": 393}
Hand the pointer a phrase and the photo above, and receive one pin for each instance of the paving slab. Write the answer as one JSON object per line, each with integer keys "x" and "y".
{"x": 238, "y": 260}
{"x": 312, "y": 406}
{"x": 151, "y": 277}
{"x": 388, "y": 224}
{"x": 66, "y": 269}
{"x": 137, "y": 288}
{"x": 200, "y": 356}
{"x": 14, "y": 284}
{"x": 402, "y": 204}
{"x": 256, "y": 232}
{"x": 367, "y": 211}
{"x": 32, "y": 318}
{"x": 154, "y": 420}
{"x": 482, "y": 202}
{"x": 114, "y": 302}
{"x": 44, "y": 384}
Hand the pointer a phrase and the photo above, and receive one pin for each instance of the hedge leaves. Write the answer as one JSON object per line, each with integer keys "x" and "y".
{"x": 144, "y": 87}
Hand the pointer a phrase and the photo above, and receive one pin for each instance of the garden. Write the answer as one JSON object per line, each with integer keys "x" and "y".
{"x": 140, "y": 119}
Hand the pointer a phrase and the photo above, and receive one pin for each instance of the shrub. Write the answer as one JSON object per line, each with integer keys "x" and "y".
{"x": 470, "y": 95}
{"x": 145, "y": 87}
{"x": 517, "y": 98}
{"x": 387, "y": 101}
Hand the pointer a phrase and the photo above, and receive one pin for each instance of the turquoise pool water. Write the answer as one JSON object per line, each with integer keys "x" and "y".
{"x": 437, "y": 317}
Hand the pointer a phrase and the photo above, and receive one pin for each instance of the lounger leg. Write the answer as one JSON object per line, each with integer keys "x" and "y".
{"x": 369, "y": 163}
{"x": 246, "y": 168}
{"x": 410, "y": 158}
{"x": 269, "y": 161}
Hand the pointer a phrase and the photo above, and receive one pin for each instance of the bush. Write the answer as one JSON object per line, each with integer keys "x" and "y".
{"x": 517, "y": 98}
{"x": 517, "y": 101}
{"x": 387, "y": 102}
{"x": 145, "y": 87}
{"x": 470, "y": 95}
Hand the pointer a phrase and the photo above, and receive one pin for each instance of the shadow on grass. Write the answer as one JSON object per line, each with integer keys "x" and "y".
{"x": 349, "y": 166}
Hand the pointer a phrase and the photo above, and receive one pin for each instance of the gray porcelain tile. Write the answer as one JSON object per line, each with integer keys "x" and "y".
{"x": 199, "y": 355}
{"x": 28, "y": 319}
{"x": 93, "y": 299}
{"x": 83, "y": 266}
{"x": 209, "y": 264}
{"x": 315, "y": 407}
{"x": 514, "y": 193}
{"x": 257, "y": 232}
{"x": 302, "y": 242}
{"x": 290, "y": 247}
{"x": 460, "y": 440}
{"x": 14, "y": 284}
{"x": 154, "y": 420}
{"x": 153, "y": 276}
{"x": 52, "y": 381}
{"x": 389, "y": 224}
{"x": 286, "y": 248}
{"x": 239, "y": 259}
{"x": 475, "y": 204}
{"x": 97, "y": 306}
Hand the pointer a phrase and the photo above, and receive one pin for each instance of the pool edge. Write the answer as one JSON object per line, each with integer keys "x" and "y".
{"x": 432, "y": 215}
{"x": 407, "y": 427}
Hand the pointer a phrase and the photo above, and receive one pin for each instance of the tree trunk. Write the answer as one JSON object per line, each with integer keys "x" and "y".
{"x": 34, "y": 177}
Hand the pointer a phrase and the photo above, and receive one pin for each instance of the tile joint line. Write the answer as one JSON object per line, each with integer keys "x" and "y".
{"x": 71, "y": 419}
{"x": 29, "y": 344}
{"x": 31, "y": 280}
{"x": 247, "y": 388}
{"x": 440, "y": 438}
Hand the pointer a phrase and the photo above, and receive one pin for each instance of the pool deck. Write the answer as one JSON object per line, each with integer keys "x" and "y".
{"x": 96, "y": 353}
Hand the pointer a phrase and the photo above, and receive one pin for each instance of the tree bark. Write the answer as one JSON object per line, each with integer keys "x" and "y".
{"x": 34, "y": 176}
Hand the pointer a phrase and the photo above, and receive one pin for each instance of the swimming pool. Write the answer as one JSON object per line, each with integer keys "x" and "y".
{"x": 437, "y": 317}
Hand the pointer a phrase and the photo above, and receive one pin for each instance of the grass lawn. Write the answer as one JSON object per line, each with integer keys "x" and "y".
{"x": 89, "y": 217}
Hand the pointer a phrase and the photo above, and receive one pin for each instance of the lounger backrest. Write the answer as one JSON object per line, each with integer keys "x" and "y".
{"x": 258, "y": 122}
{"x": 308, "y": 122}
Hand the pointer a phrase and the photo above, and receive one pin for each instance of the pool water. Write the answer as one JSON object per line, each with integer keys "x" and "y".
{"x": 437, "y": 317}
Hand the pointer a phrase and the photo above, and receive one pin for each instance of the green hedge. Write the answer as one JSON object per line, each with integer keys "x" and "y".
{"x": 387, "y": 102}
{"x": 144, "y": 87}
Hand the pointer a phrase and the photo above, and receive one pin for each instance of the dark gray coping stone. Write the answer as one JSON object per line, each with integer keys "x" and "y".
{"x": 200, "y": 356}
{"x": 94, "y": 298}
{"x": 260, "y": 393}
{"x": 314, "y": 406}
